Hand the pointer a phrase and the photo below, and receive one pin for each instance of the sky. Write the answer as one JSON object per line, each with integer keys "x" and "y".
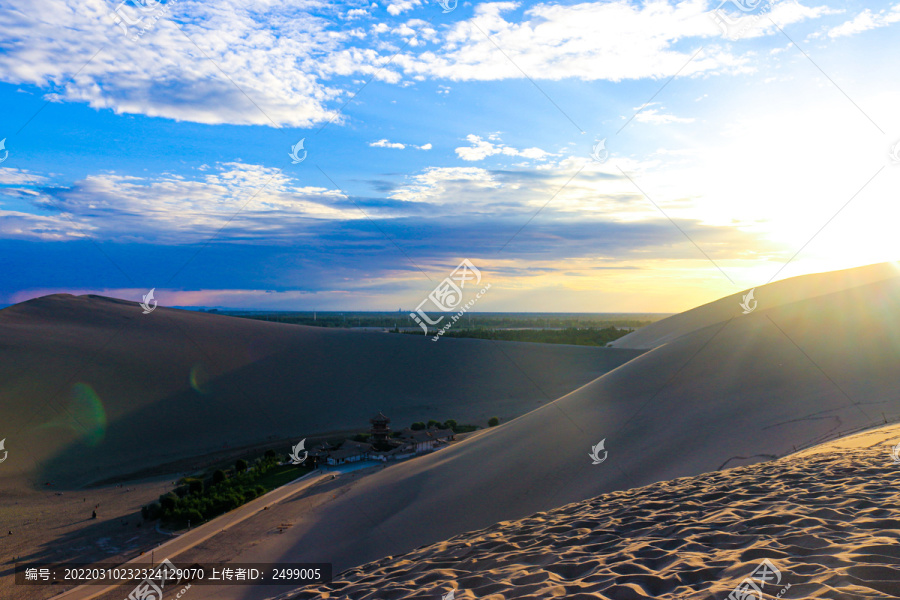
{"x": 586, "y": 157}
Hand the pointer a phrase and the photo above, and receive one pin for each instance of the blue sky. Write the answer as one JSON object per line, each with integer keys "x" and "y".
{"x": 158, "y": 156}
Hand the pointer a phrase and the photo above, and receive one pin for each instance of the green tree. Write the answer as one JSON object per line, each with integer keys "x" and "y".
{"x": 152, "y": 511}
{"x": 417, "y": 426}
{"x": 218, "y": 476}
{"x": 240, "y": 465}
{"x": 168, "y": 501}
{"x": 493, "y": 421}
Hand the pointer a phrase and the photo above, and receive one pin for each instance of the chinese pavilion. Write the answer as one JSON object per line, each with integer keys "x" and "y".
{"x": 381, "y": 432}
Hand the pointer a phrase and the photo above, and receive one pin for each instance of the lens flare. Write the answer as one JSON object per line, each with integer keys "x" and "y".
{"x": 84, "y": 414}
{"x": 199, "y": 379}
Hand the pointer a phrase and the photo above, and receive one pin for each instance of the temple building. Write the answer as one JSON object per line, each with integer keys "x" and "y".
{"x": 425, "y": 440}
{"x": 382, "y": 446}
{"x": 350, "y": 451}
{"x": 381, "y": 431}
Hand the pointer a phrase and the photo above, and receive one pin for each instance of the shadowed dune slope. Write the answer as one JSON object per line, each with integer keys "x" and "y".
{"x": 740, "y": 391}
{"x": 92, "y": 388}
{"x": 826, "y": 520}
{"x": 767, "y": 296}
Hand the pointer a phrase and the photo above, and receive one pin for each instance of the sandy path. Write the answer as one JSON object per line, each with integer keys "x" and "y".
{"x": 186, "y": 541}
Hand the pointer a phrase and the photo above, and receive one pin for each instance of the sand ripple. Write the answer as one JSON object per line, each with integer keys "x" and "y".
{"x": 829, "y": 522}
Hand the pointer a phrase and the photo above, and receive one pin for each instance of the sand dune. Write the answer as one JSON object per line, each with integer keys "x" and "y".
{"x": 93, "y": 388}
{"x": 725, "y": 389}
{"x": 743, "y": 390}
{"x": 825, "y": 519}
{"x": 767, "y": 296}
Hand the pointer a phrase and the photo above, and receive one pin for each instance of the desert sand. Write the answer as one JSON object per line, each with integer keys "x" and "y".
{"x": 826, "y": 519}
{"x": 94, "y": 389}
{"x": 95, "y": 393}
{"x": 774, "y": 294}
{"x": 746, "y": 389}
{"x": 718, "y": 390}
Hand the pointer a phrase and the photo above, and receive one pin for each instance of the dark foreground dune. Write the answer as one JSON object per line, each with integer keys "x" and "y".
{"x": 92, "y": 389}
{"x": 827, "y": 520}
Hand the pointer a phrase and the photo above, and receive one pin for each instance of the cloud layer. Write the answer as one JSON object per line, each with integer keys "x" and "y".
{"x": 266, "y": 63}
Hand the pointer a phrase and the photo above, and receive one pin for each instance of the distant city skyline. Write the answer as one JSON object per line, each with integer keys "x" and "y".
{"x": 168, "y": 156}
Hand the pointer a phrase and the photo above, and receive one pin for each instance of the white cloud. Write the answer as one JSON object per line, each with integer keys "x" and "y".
{"x": 610, "y": 40}
{"x": 535, "y": 153}
{"x": 174, "y": 209}
{"x": 21, "y": 225}
{"x": 481, "y": 149}
{"x": 439, "y": 186}
{"x": 269, "y": 53}
{"x": 865, "y": 21}
{"x": 287, "y": 65}
{"x": 169, "y": 208}
{"x": 13, "y": 176}
{"x": 387, "y": 144}
{"x": 401, "y": 6}
{"x": 598, "y": 192}
{"x": 782, "y": 13}
{"x": 652, "y": 115}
